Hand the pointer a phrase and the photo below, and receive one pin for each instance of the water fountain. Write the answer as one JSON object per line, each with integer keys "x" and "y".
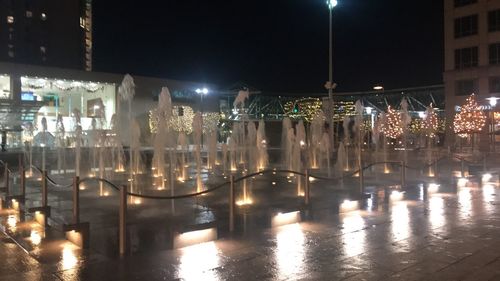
{"x": 126, "y": 92}
{"x": 184, "y": 148}
{"x": 60, "y": 144}
{"x": 94, "y": 137}
{"x": 347, "y": 139}
{"x": 117, "y": 154}
{"x": 163, "y": 114}
{"x": 359, "y": 129}
{"x": 325, "y": 148}
{"x": 197, "y": 134}
{"x": 44, "y": 141}
{"x": 286, "y": 142}
{"x": 317, "y": 128}
{"x": 78, "y": 139}
{"x": 405, "y": 120}
{"x": 263, "y": 157}
{"x": 252, "y": 162}
{"x": 28, "y": 131}
{"x": 340, "y": 165}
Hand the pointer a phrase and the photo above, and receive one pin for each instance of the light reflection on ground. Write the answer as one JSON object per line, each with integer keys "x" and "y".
{"x": 290, "y": 250}
{"x": 197, "y": 260}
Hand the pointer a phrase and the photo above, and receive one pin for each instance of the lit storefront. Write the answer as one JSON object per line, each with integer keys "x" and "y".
{"x": 93, "y": 100}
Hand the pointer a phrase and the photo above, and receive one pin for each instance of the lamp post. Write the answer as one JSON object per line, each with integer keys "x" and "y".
{"x": 202, "y": 92}
{"x": 330, "y": 85}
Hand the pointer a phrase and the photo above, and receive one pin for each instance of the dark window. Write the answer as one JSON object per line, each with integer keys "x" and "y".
{"x": 465, "y": 58}
{"x": 494, "y": 53}
{"x": 494, "y": 20}
{"x": 494, "y": 84}
{"x": 460, "y": 3}
{"x": 465, "y": 26}
{"x": 466, "y": 87}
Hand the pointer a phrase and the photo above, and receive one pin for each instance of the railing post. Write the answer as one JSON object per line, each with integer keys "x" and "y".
{"x": 403, "y": 176}
{"x": 44, "y": 189}
{"x": 231, "y": 203}
{"x": 307, "y": 189}
{"x": 122, "y": 240}
{"x": 6, "y": 179}
{"x": 76, "y": 200}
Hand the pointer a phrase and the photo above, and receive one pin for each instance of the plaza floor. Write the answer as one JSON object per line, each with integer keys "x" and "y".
{"x": 438, "y": 229}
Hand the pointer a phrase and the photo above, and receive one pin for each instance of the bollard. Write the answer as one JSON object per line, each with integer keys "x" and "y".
{"x": 44, "y": 189}
{"x": 76, "y": 200}
{"x": 123, "y": 221}
{"x": 307, "y": 190}
{"x": 6, "y": 178}
{"x": 231, "y": 203}
{"x": 403, "y": 176}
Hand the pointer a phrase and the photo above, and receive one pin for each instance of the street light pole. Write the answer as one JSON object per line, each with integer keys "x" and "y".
{"x": 330, "y": 85}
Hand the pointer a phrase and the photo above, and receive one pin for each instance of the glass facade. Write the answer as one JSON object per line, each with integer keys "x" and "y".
{"x": 93, "y": 100}
{"x": 5, "y": 92}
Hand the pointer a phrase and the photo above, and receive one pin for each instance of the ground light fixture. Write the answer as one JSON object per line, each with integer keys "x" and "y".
{"x": 396, "y": 195}
{"x": 486, "y": 177}
{"x": 285, "y": 218}
{"x": 433, "y": 188}
{"x": 348, "y": 206}
{"x": 462, "y": 182}
{"x": 194, "y": 237}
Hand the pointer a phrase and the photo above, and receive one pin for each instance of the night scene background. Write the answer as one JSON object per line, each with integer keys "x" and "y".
{"x": 276, "y": 46}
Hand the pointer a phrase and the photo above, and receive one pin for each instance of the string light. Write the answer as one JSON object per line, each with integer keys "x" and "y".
{"x": 393, "y": 127}
{"x": 470, "y": 119}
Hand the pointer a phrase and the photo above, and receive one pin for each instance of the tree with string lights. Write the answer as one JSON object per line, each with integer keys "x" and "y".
{"x": 471, "y": 119}
{"x": 393, "y": 125}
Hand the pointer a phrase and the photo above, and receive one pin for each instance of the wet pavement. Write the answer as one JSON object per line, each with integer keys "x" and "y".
{"x": 436, "y": 229}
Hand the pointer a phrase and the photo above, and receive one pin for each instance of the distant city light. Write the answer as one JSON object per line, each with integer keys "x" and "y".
{"x": 202, "y": 91}
{"x": 378, "y": 87}
{"x": 331, "y": 3}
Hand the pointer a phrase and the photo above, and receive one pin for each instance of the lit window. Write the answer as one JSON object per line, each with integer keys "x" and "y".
{"x": 29, "y": 14}
{"x": 43, "y": 49}
{"x": 82, "y": 22}
{"x": 43, "y": 16}
{"x": 10, "y": 19}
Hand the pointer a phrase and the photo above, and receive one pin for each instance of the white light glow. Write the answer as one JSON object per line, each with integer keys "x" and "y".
{"x": 433, "y": 188}
{"x": 69, "y": 259}
{"x": 348, "y": 206}
{"x": 354, "y": 237}
{"x": 436, "y": 211}
{"x": 195, "y": 237}
{"x": 197, "y": 262}
{"x": 462, "y": 182}
{"x": 35, "y": 238}
{"x": 400, "y": 217}
{"x": 486, "y": 178}
{"x": 290, "y": 252}
{"x": 285, "y": 218}
{"x": 396, "y": 195}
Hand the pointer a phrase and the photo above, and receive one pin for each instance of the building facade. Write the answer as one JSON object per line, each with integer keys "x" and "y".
{"x": 30, "y": 94}
{"x": 472, "y": 57}
{"x": 47, "y": 32}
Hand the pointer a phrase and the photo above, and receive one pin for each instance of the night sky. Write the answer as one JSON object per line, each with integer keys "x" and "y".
{"x": 273, "y": 45}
